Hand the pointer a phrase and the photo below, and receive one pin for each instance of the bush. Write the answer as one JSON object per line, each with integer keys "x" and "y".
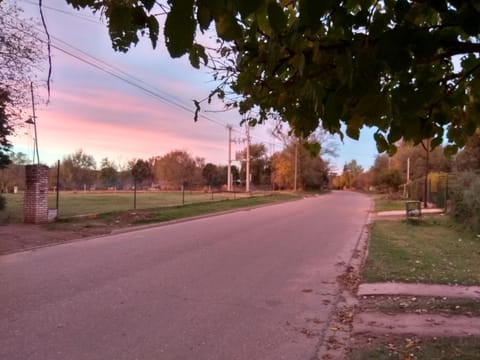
{"x": 466, "y": 201}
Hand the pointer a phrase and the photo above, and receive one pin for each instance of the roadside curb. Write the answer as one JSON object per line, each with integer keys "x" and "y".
{"x": 192, "y": 218}
{"x": 335, "y": 340}
{"x": 143, "y": 227}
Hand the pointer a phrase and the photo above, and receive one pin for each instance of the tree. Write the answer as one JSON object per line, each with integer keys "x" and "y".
{"x": 108, "y": 173}
{"x": 77, "y": 171}
{"x": 13, "y": 174}
{"x": 142, "y": 172}
{"x": 354, "y": 168}
{"x": 259, "y": 165}
{"x": 5, "y": 130}
{"x": 177, "y": 167}
{"x": 469, "y": 157}
{"x": 213, "y": 175}
{"x": 312, "y": 171}
{"x": 384, "y": 64}
{"x": 20, "y": 54}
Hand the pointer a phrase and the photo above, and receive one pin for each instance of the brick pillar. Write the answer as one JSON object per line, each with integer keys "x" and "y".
{"x": 35, "y": 207}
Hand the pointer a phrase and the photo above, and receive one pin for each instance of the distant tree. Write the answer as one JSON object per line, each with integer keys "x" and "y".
{"x": 437, "y": 161}
{"x": 177, "y": 167}
{"x": 312, "y": 170}
{"x": 13, "y": 174}
{"x": 259, "y": 165}
{"x": 354, "y": 168}
{"x": 385, "y": 177}
{"x": 77, "y": 171}
{"x": 469, "y": 158}
{"x": 213, "y": 175}
{"x": 315, "y": 175}
{"x": 108, "y": 173}
{"x": 19, "y": 158}
{"x": 142, "y": 172}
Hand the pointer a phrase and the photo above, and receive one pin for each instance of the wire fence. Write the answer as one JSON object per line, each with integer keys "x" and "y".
{"x": 440, "y": 187}
{"x": 79, "y": 203}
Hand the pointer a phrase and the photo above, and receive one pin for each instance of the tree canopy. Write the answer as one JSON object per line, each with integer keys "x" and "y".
{"x": 406, "y": 67}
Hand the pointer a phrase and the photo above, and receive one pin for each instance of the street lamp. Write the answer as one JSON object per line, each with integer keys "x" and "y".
{"x": 31, "y": 121}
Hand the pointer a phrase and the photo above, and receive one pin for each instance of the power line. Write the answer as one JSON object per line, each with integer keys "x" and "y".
{"x": 122, "y": 75}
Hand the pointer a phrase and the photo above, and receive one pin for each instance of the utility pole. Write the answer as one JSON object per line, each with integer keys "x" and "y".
{"x": 247, "y": 180}
{"x": 229, "y": 170}
{"x": 408, "y": 170}
{"x": 427, "y": 166}
{"x": 295, "y": 170}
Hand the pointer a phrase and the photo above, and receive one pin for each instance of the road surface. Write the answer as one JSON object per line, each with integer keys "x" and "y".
{"x": 254, "y": 284}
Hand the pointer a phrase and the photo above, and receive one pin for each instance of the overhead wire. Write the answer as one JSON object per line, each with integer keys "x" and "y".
{"x": 119, "y": 73}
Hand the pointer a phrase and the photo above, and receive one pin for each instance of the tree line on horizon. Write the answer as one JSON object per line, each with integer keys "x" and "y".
{"x": 179, "y": 168}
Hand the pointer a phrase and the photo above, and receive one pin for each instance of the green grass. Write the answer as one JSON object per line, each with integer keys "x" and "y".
{"x": 435, "y": 250}
{"x": 177, "y": 212}
{"x": 74, "y": 204}
{"x": 388, "y": 205}
{"x": 420, "y": 348}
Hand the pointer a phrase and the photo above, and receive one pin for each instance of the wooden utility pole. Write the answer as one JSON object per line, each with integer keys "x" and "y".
{"x": 247, "y": 180}
{"x": 229, "y": 170}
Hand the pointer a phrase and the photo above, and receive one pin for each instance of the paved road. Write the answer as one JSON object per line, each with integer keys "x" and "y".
{"x": 257, "y": 284}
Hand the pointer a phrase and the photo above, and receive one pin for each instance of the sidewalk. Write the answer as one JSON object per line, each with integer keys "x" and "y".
{"x": 391, "y": 288}
{"x": 423, "y": 324}
{"x": 402, "y": 212}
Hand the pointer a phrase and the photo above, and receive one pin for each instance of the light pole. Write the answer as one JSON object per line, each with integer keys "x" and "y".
{"x": 33, "y": 121}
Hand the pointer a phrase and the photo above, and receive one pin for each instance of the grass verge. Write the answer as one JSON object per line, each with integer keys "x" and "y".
{"x": 433, "y": 250}
{"x": 161, "y": 214}
{"x": 446, "y": 348}
{"x": 80, "y": 203}
{"x": 388, "y": 205}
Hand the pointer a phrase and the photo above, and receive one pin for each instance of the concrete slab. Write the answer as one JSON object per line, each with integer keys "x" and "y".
{"x": 427, "y": 325}
{"x": 471, "y": 292}
{"x": 402, "y": 212}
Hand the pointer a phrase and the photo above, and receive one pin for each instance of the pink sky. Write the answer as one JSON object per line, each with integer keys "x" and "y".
{"x": 106, "y": 117}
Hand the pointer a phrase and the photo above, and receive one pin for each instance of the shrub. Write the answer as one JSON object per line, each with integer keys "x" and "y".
{"x": 466, "y": 201}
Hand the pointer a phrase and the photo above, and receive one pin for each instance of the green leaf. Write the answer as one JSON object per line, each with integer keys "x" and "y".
{"x": 247, "y": 7}
{"x": 311, "y": 11}
{"x": 179, "y": 28}
{"x": 148, "y": 4}
{"x": 313, "y": 148}
{"x": 153, "y": 29}
{"x": 196, "y": 53}
{"x": 204, "y": 16}
{"x": 353, "y": 131}
{"x": 276, "y": 17}
{"x": 228, "y": 28}
{"x": 382, "y": 144}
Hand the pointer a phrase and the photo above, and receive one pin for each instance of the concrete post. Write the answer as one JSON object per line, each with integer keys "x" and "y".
{"x": 35, "y": 208}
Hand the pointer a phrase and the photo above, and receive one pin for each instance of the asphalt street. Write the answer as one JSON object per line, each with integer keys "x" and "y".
{"x": 254, "y": 284}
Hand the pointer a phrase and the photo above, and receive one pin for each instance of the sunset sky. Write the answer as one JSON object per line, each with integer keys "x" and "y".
{"x": 106, "y": 116}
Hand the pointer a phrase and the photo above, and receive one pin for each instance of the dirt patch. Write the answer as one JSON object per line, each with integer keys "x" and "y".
{"x": 20, "y": 237}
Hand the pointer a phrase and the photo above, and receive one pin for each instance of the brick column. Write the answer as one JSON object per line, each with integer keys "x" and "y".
{"x": 35, "y": 207}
